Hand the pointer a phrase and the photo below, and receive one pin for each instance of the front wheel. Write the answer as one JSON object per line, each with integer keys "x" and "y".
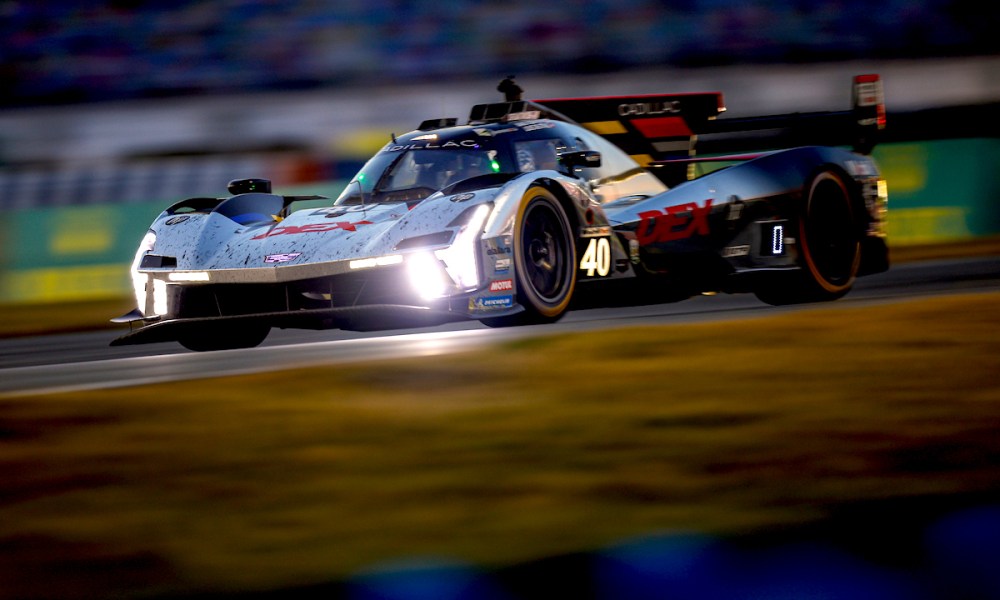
{"x": 544, "y": 261}
{"x": 829, "y": 248}
{"x": 210, "y": 337}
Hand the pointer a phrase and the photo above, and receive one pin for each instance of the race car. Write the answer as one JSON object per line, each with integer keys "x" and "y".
{"x": 527, "y": 210}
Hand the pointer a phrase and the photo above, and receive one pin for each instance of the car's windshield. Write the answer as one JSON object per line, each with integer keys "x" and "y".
{"x": 416, "y": 174}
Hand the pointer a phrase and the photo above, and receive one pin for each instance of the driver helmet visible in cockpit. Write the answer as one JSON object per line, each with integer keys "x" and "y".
{"x": 439, "y": 169}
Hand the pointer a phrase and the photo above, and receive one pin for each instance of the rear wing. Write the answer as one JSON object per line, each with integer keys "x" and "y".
{"x": 669, "y": 128}
{"x": 858, "y": 127}
{"x": 648, "y": 127}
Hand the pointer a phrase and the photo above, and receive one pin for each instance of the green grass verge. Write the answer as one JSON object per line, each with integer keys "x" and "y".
{"x": 531, "y": 449}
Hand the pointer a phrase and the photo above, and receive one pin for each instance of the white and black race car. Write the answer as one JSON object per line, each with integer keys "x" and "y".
{"x": 525, "y": 211}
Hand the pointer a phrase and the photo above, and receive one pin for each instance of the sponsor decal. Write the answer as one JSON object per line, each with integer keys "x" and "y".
{"x": 502, "y": 285}
{"x": 491, "y": 302}
{"x": 673, "y": 223}
{"x": 311, "y": 228}
{"x": 526, "y": 115}
{"x": 633, "y": 251}
{"x": 496, "y": 247}
{"x": 280, "y": 258}
{"x": 649, "y": 108}
{"x": 732, "y": 251}
{"x": 536, "y": 126}
{"x": 332, "y": 212}
{"x": 176, "y": 220}
{"x": 462, "y": 197}
{"x": 502, "y": 265}
{"x": 430, "y": 146}
{"x": 589, "y": 232}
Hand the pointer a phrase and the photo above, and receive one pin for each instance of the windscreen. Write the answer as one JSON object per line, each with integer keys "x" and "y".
{"x": 417, "y": 173}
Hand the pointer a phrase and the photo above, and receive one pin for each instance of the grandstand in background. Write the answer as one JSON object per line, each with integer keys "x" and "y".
{"x": 77, "y": 52}
{"x": 129, "y": 101}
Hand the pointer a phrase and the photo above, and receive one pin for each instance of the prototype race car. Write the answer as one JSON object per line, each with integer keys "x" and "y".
{"x": 527, "y": 210}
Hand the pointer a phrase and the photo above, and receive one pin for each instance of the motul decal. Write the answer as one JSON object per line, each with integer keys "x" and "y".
{"x": 673, "y": 223}
{"x": 502, "y": 285}
{"x": 311, "y": 228}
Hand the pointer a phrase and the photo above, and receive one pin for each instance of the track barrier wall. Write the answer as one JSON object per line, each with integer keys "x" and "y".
{"x": 939, "y": 191}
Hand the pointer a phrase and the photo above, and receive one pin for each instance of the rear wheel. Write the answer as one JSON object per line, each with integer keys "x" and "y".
{"x": 544, "y": 261}
{"x": 223, "y": 337}
{"x": 829, "y": 248}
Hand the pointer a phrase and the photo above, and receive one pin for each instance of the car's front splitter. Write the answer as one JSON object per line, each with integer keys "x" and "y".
{"x": 372, "y": 317}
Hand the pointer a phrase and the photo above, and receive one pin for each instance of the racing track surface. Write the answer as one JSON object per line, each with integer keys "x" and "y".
{"x": 85, "y": 360}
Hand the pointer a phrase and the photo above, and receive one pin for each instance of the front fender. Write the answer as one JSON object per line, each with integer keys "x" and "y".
{"x": 587, "y": 218}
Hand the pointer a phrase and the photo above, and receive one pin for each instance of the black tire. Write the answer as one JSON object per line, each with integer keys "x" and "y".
{"x": 223, "y": 337}
{"x": 829, "y": 247}
{"x": 544, "y": 261}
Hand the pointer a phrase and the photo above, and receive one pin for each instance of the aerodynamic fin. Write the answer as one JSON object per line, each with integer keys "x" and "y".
{"x": 648, "y": 127}
{"x": 858, "y": 127}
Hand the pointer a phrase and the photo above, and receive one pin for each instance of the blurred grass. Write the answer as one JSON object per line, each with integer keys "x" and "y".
{"x": 19, "y": 320}
{"x": 497, "y": 456}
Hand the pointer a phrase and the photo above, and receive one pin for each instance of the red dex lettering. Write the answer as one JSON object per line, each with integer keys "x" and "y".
{"x": 310, "y": 228}
{"x": 672, "y": 223}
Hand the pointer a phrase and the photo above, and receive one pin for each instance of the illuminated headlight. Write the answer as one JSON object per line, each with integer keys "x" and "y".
{"x": 436, "y": 274}
{"x": 461, "y": 258}
{"x": 139, "y": 279}
{"x": 427, "y": 275}
{"x": 188, "y": 276}
{"x": 159, "y": 297}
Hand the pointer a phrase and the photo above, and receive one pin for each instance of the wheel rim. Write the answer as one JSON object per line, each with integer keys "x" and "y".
{"x": 546, "y": 252}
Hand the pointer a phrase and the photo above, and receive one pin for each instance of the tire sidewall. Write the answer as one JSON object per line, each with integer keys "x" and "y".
{"x": 528, "y": 296}
{"x": 825, "y": 285}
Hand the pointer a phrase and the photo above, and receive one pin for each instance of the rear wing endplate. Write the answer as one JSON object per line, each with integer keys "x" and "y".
{"x": 859, "y": 127}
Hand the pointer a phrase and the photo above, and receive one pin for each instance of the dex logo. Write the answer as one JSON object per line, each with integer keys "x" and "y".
{"x": 673, "y": 223}
{"x": 311, "y": 228}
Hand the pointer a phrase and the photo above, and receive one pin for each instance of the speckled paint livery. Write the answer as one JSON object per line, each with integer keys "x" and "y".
{"x": 515, "y": 217}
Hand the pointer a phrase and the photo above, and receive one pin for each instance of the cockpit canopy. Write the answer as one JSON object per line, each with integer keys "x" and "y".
{"x": 417, "y": 164}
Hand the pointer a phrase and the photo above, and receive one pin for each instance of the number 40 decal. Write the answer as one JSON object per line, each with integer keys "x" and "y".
{"x": 597, "y": 257}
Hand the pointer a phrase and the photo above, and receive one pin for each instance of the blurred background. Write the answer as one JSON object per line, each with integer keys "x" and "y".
{"x": 112, "y": 110}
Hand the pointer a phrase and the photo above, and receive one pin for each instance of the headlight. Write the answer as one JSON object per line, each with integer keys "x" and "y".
{"x": 438, "y": 273}
{"x": 427, "y": 275}
{"x": 461, "y": 258}
{"x": 139, "y": 279}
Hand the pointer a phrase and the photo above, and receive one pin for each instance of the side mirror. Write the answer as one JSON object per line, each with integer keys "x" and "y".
{"x": 583, "y": 159}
